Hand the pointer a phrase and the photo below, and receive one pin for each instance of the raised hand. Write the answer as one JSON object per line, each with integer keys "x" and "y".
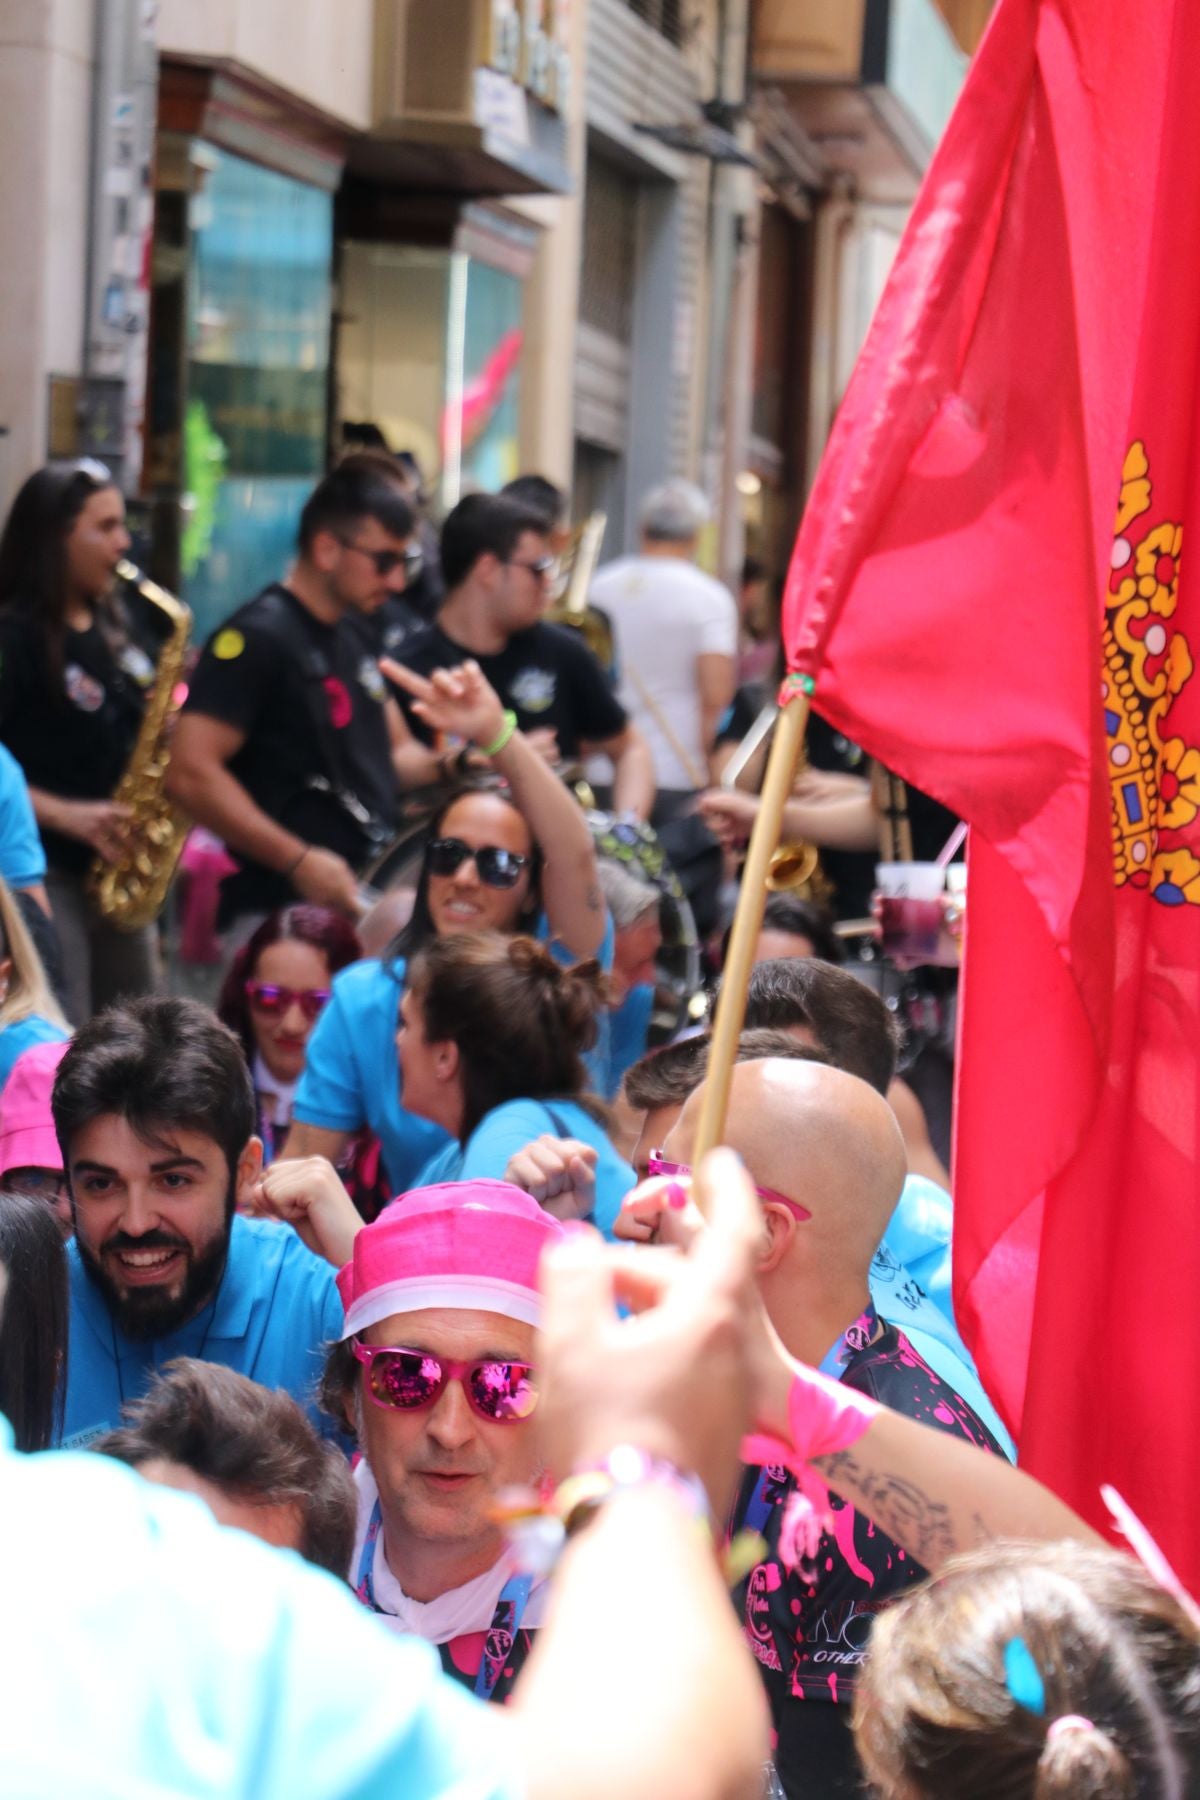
{"x": 460, "y": 702}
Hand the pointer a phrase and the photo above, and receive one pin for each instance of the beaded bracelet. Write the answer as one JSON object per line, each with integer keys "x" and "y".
{"x": 537, "y": 1527}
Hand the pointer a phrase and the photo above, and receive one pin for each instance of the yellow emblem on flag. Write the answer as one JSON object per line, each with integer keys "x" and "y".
{"x": 228, "y": 645}
{"x": 1154, "y": 774}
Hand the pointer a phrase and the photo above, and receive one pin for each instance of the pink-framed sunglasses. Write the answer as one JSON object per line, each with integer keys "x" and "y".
{"x": 403, "y": 1380}
{"x": 657, "y": 1164}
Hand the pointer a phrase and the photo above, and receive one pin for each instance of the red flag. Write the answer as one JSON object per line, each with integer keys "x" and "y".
{"x": 987, "y": 588}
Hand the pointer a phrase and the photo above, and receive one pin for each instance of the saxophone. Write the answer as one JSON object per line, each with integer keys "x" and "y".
{"x": 130, "y": 893}
{"x": 570, "y": 605}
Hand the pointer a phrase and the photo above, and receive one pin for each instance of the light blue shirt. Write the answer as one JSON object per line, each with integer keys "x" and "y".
{"x": 352, "y": 1072}
{"x": 22, "y": 1035}
{"x": 22, "y": 859}
{"x": 276, "y": 1309}
{"x": 628, "y": 1032}
{"x": 153, "y": 1654}
{"x": 508, "y": 1128}
{"x": 352, "y": 1069}
{"x": 916, "y": 1251}
{"x": 919, "y": 1236}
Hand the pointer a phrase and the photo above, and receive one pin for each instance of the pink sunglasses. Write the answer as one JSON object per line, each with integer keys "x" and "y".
{"x": 404, "y": 1380}
{"x": 656, "y": 1164}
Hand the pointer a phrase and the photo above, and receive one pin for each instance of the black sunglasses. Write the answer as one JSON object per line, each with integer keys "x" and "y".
{"x": 386, "y": 560}
{"x": 496, "y": 868}
{"x": 545, "y": 565}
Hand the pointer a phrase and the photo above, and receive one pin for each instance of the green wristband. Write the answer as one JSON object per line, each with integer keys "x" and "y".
{"x": 503, "y": 737}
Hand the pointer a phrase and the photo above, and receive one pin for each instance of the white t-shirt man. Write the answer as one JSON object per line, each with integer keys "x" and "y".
{"x": 666, "y": 614}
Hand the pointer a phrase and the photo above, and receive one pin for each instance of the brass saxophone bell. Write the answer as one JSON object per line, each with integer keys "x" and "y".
{"x": 792, "y": 866}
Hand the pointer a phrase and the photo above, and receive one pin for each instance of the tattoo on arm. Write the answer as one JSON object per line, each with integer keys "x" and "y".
{"x": 921, "y": 1525}
{"x": 594, "y": 898}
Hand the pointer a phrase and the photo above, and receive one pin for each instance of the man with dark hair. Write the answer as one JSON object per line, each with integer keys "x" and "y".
{"x": 288, "y": 744}
{"x": 832, "y": 1008}
{"x": 537, "y": 494}
{"x": 497, "y": 564}
{"x": 248, "y": 1452}
{"x": 154, "y": 1111}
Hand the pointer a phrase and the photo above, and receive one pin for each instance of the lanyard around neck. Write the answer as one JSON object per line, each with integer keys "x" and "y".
{"x": 506, "y": 1620}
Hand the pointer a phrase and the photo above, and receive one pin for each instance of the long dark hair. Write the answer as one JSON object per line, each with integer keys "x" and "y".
{"x": 419, "y": 929}
{"x": 326, "y": 930}
{"x": 33, "y": 554}
{"x": 520, "y": 1020}
{"x": 34, "y": 1310}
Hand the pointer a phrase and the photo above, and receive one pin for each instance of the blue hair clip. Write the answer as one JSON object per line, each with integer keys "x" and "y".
{"x": 1022, "y": 1677}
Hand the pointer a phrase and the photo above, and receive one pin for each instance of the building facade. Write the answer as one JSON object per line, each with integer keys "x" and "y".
{"x": 611, "y": 240}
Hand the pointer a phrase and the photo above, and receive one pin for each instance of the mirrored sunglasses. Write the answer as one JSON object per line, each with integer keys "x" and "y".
{"x": 657, "y": 1164}
{"x": 267, "y": 997}
{"x": 403, "y": 1380}
{"x": 496, "y": 867}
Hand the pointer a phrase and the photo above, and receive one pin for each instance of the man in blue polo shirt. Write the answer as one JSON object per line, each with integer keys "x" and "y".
{"x": 154, "y": 1112}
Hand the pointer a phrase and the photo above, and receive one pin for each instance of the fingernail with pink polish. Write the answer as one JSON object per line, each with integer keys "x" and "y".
{"x": 676, "y": 1197}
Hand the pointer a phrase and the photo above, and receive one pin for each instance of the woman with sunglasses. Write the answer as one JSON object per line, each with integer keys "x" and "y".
{"x": 507, "y": 860}
{"x": 275, "y": 991}
{"x": 75, "y": 665}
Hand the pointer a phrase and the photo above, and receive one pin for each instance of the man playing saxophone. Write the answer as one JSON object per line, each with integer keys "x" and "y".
{"x": 76, "y": 664}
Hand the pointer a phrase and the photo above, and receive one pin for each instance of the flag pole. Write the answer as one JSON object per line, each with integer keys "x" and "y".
{"x": 747, "y": 920}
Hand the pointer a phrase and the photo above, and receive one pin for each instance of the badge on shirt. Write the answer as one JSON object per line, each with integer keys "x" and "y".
{"x": 370, "y": 679}
{"x": 533, "y": 690}
{"x": 83, "y": 690}
{"x": 341, "y": 707}
{"x": 135, "y": 662}
{"x": 228, "y": 645}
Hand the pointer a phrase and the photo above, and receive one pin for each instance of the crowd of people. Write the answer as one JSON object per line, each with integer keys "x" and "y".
{"x": 395, "y": 1258}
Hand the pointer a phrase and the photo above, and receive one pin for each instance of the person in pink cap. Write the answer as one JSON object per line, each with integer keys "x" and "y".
{"x": 436, "y": 1376}
{"x": 30, "y": 1159}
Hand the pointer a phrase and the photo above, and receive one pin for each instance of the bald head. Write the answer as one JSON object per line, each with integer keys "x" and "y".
{"x": 820, "y": 1137}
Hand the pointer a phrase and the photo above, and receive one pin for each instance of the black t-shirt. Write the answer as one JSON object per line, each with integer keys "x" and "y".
{"x": 75, "y": 736}
{"x": 851, "y": 873}
{"x": 546, "y": 675}
{"x": 310, "y": 700}
{"x": 394, "y": 625}
{"x": 809, "y": 1643}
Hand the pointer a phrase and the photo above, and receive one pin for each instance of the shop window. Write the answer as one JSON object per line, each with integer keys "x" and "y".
{"x": 666, "y": 16}
{"x": 429, "y": 349}
{"x": 257, "y": 368}
{"x": 609, "y": 251}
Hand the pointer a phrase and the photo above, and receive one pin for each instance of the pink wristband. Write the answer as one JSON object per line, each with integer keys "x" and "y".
{"x": 825, "y": 1417}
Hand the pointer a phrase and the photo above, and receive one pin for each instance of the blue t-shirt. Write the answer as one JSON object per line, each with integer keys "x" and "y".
{"x": 22, "y": 1035}
{"x": 157, "y": 1654}
{"x": 508, "y": 1128}
{"x": 22, "y": 859}
{"x": 910, "y": 1267}
{"x": 275, "y": 1310}
{"x": 352, "y": 1069}
{"x": 919, "y": 1236}
{"x": 628, "y": 1031}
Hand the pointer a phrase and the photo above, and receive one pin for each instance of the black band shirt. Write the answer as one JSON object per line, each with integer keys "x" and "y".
{"x": 547, "y": 676}
{"x": 310, "y": 699}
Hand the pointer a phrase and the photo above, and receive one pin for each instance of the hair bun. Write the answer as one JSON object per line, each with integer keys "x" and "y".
{"x": 1080, "y": 1757}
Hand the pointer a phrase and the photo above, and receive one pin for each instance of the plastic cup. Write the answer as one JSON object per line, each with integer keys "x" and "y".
{"x": 910, "y": 910}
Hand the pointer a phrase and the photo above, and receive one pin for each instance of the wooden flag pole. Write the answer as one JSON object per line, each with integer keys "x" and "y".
{"x": 747, "y": 921}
